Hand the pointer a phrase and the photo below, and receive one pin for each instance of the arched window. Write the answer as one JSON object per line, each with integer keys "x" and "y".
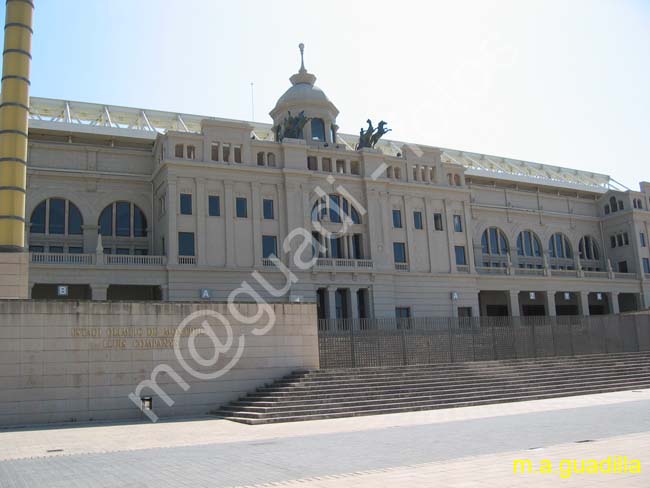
{"x": 260, "y": 158}
{"x": 317, "y": 130}
{"x": 494, "y": 242}
{"x": 270, "y": 159}
{"x": 528, "y": 244}
{"x": 122, "y": 219}
{"x": 337, "y": 208}
{"x": 613, "y": 204}
{"x": 56, "y": 216}
{"x": 559, "y": 246}
{"x": 588, "y": 251}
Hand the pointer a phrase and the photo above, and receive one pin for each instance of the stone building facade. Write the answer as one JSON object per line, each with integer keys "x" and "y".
{"x": 126, "y": 203}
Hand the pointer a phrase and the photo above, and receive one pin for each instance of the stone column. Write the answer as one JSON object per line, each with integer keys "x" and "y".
{"x": 256, "y": 216}
{"x": 613, "y": 302}
{"x": 200, "y": 222}
{"x": 467, "y": 217}
{"x": 172, "y": 231}
{"x": 331, "y": 302}
{"x": 99, "y": 291}
{"x": 228, "y": 206}
{"x": 584, "y": 303}
{"x": 550, "y": 303}
{"x": 354, "y": 304}
{"x": 449, "y": 228}
{"x": 513, "y": 302}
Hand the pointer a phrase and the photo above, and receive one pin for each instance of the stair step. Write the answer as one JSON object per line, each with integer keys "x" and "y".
{"x": 319, "y": 394}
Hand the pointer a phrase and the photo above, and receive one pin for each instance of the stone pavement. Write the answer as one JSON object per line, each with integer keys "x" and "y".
{"x": 473, "y": 446}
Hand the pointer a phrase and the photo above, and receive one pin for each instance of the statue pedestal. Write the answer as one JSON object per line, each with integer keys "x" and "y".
{"x": 14, "y": 271}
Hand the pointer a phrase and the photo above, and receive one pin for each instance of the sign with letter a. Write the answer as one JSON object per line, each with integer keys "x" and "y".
{"x": 205, "y": 294}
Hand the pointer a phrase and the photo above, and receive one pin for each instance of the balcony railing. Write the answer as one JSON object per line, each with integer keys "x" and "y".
{"x": 343, "y": 263}
{"x": 138, "y": 260}
{"x": 492, "y": 270}
{"x": 462, "y": 268}
{"x": 596, "y": 274}
{"x": 187, "y": 260}
{"x": 564, "y": 272}
{"x": 625, "y": 276}
{"x": 529, "y": 271}
{"x": 61, "y": 258}
{"x": 402, "y": 266}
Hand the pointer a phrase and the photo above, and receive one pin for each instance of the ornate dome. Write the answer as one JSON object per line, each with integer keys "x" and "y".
{"x": 303, "y": 94}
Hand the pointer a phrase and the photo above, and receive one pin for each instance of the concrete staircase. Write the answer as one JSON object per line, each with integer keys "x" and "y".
{"x": 332, "y": 393}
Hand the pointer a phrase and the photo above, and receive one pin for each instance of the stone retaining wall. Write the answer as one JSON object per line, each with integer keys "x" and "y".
{"x": 78, "y": 361}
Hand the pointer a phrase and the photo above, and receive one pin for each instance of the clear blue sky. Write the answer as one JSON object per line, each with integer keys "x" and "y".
{"x": 554, "y": 81}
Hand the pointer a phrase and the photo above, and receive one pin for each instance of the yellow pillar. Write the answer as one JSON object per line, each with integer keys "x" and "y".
{"x": 14, "y": 111}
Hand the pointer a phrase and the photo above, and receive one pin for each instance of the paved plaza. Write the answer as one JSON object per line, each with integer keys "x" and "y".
{"x": 473, "y": 446}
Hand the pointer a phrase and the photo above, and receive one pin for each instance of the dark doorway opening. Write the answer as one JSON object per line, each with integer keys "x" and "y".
{"x": 133, "y": 293}
{"x": 533, "y": 310}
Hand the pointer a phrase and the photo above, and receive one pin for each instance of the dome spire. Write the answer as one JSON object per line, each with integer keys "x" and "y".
{"x": 302, "y": 76}
{"x": 301, "y": 46}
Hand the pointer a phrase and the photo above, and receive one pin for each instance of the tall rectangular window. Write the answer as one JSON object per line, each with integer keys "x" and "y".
{"x": 335, "y": 208}
{"x": 186, "y": 204}
{"x": 417, "y": 219}
{"x": 215, "y": 151}
{"x": 402, "y": 312}
{"x": 336, "y": 247}
{"x": 357, "y": 249}
{"x": 123, "y": 219}
{"x": 178, "y": 150}
{"x": 612, "y": 241}
{"x": 646, "y": 265}
{"x": 186, "y": 243}
{"x": 642, "y": 239}
{"x": 397, "y": 219}
{"x": 269, "y": 246}
{"x": 622, "y": 266}
{"x": 268, "y": 209}
{"x": 399, "y": 252}
{"x": 458, "y": 223}
{"x": 226, "y": 153}
{"x": 106, "y": 221}
{"x": 461, "y": 258}
{"x": 57, "y": 216}
{"x": 214, "y": 206}
{"x": 237, "y": 154}
{"x": 437, "y": 221}
{"x": 241, "y": 205}
{"x": 312, "y": 163}
{"x": 327, "y": 164}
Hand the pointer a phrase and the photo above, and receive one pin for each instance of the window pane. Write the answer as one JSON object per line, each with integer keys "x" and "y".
{"x": 399, "y": 252}
{"x": 484, "y": 243}
{"x": 75, "y": 250}
{"x": 57, "y": 216}
{"x": 458, "y": 223}
{"x": 356, "y": 246}
{"x": 38, "y": 220}
{"x": 336, "y": 247}
{"x": 36, "y": 249}
{"x": 269, "y": 246}
{"x": 122, "y": 250}
{"x": 139, "y": 222}
{"x": 437, "y": 221}
{"x": 417, "y": 220}
{"x": 318, "y": 129}
{"x": 140, "y": 252}
{"x": 214, "y": 207}
{"x": 106, "y": 222}
{"x": 186, "y": 243}
{"x": 460, "y": 255}
{"x": 74, "y": 220}
{"x": 186, "y": 204}
{"x": 242, "y": 207}
{"x": 268, "y": 209}
{"x": 494, "y": 242}
{"x": 397, "y": 219}
{"x": 123, "y": 219}
{"x": 56, "y": 249}
{"x": 335, "y": 209}
{"x": 356, "y": 218}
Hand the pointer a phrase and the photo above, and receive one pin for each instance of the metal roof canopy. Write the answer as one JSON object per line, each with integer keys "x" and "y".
{"x": 112, "y": 120}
